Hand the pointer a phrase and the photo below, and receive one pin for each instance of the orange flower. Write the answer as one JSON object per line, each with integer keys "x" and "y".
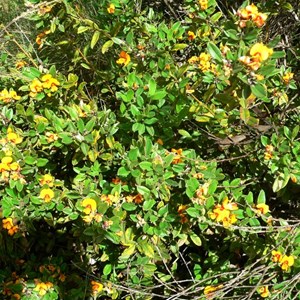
{"x": 124, "y": 58}
{"x": 181, "y": 212}
{"x": 97, "y": 287}
{"x": 111, "y": 8}
{"x": 47, "y": 195}
{"x": 259, "y": 19}
{"x": 20, "y": 64}
{"x": 9, "y": 226}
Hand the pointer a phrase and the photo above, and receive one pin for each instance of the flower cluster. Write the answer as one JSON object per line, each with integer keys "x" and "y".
{"x": 203, "y": 4}
{"x": 284, "y": 261}
{"x": 8, "y": 96}
{"x": 90, "y": 209}
{"x": 41, "y": 38}
{"x": 269, "y": 152}
{"x": 258, "y": 53}
{"x": 137, "y": 199}
{"x": 8, "y": 224}
{"x": 124, "y": 58}
{"x": 10, "y": 169}
{"x": 42, "y": 287}
{"x": 47, "y": 83}
{"x": 8, "y": 287}
{"x": 222, "y": 213}
{"x": 53, "y": 271}
{"x": 250, "y": 12}
{"x": 203, "y": 62}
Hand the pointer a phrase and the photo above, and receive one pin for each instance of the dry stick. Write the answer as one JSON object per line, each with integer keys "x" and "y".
{"x": 187, "y": 267}
{"x": 21, "y": 48}
{"x": 27, "y": 13}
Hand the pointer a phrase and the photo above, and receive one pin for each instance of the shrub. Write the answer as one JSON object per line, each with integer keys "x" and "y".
{"x": 147, "y": 157}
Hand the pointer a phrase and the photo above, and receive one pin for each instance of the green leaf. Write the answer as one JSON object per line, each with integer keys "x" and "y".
{"x": 147, "y": 249}
{"x": 129, "y": 206}
{"x": 152, "y": 87}
{"x": 244, "y": 114}
{"x": 107, "y": 269}
{"x": 123, "y": 172}
{"x": 148, "y": 204}
{"x": 196, "y": 240}
{"x": 193, "y": 212}
{"x": 177, "y": 47}
{"x": 106, "y": 46}
{"x": 146, "y": 165}
{"x": 30, "y": 160}
{"x": 95, "y": 39}
{"x": 280, "y": 182}
{"x": 215, "y": 52}
{"x": 261, "y": 197}
{"x": 142, "y": 190}
{"x": 41, "y": 162}
{"x": 259, "y": 90}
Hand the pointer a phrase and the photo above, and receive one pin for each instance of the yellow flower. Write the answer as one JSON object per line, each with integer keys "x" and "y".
{"x": 178, "y": 155}
{"x": 264, "y": 291}
{"x": 7, "y": 160}
{"x": 262, "y": 208}
{"x": 287, "y": 77}
{"x": 14, "y": 166}
{"x": 43, "y": 287}
{"x": 44, "y": 9}
{"x": 208, "y": 290}
{"x": 46, "y": 195}
{"x": 259, "y": 19}
{"x": 260, "y": 52}
{"x": 13, "y": 137}
{"x": 287, "y": 262}
{"x": 35, "y": 87}
{"x": 203, "y": 4}
{"x": 90, "y": 205}
{"x": 47, "y": 179}
{"x": 111, "y": 8}
{"x": 204, "y": 62}
{"x": 124, "y": 58}
{"x": 9, "y": 226}
{"x": 7, "y": 223}
{"x": 276, "y": 256}
{"x": 97, "y": 287}
{"x": 229, "y": 205}
{"x": 20, "y": 64}
{"x": 51, "y": 137}
{"x": 193, "y": 60}
{"x": 191, "y": 35}
{"x": 50, "y": 83}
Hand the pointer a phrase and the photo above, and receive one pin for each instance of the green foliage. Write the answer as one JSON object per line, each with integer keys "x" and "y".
{"x": 145, "y": 156}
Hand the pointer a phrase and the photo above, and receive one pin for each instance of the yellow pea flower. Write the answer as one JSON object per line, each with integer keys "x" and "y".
{"x": 90, "y": 205}
{"x": 111, "y": 8}
{"x": 264, "y": 291}
{"x": 287, "y": 262}
{"x": 47, "y": 195}
{"x": 124, "y": 58}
